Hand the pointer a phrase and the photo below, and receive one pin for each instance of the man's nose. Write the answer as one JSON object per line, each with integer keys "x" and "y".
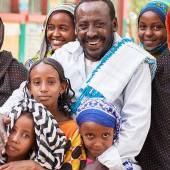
{"x": 92, "y": 31}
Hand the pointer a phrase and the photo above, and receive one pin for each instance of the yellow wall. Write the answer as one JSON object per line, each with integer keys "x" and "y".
{"x": 11, "y": 39}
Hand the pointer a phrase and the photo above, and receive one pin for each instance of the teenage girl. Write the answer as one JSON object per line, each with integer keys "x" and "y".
{"x": 59, "y": 29}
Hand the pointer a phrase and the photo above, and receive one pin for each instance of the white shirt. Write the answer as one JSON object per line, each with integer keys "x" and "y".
{"x": 134, "y": 103}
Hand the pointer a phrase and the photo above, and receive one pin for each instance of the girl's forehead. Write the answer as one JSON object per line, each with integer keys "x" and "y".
{"x": 42, "y": 65}
{"x": 59, "y": 16}
{"x": 43, "y": 69}
{"x": 150, "y": 14}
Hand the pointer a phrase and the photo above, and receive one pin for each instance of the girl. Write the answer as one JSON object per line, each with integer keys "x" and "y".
{"x": 21, "y": 139}
{"x": 59, "y": 29}
{"x": 49, "y": 86}
{"x": 151, "y": 27}
{"x": 99, "y": 124}
{"x": 34, "y": 134}
{"x": 155, "y": 152}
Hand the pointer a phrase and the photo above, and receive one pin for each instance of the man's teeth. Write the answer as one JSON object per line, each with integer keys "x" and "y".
{"x": 93, "y": 43}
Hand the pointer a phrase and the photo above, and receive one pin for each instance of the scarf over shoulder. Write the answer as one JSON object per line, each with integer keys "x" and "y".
{"x": 50, "y": 140}
{"x": 116, "y": 68}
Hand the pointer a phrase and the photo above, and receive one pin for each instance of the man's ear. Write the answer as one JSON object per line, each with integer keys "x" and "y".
{"x": 115, "y": 24}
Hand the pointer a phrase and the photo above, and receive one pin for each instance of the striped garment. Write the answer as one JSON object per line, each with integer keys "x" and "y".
{"x": 49, "y": 138}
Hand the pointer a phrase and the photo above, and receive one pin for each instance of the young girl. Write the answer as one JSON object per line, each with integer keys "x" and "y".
{"x": 34, "y": 134}
{"x": 99, "y": 125}
{"x": 156, "y": 149}
{"x": 59, "y": 29}
{"x": 49, "y": 86}
{"x": 151, "y": 27}
{"x": 21, "y": 139}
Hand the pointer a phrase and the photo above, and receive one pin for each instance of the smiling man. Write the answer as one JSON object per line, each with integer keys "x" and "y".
{"x": 95, "y": 29}
{"x": 103, "y": 65}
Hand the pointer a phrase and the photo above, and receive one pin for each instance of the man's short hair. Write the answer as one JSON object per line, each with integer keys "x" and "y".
{"x": 108, "y": 2}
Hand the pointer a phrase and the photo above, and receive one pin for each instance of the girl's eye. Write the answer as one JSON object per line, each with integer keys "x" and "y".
{"x": 105, "y": 135}
{"x": 51, "y": 82}
{"x": 36, "y": 83}
{"x": 157, "y": 27}
{"x": 89, "y": 136}
{"x": 64, "y": 28}
{"x": 142, "y": 27}
{"x": 50, "y": 27}
{"x": 25, "y": 136}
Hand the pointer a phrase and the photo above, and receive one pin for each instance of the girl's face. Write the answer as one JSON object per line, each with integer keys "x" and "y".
{"x": 96, "y": 138}
{"x": 45, "y": 85}
{"x": 21, "y": 139}
{"x": 60, "y": 30}
{"x": 151, "y": 30}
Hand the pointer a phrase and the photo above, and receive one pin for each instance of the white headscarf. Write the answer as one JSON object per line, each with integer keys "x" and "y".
{"x": 69, "y": 8}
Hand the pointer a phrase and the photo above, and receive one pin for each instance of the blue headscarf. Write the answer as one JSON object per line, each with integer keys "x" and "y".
{"x": 160, "y": 7}
{"x": 100, "y": 112}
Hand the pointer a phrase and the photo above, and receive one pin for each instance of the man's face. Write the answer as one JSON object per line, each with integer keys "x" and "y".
{"x": 95, "y": 28}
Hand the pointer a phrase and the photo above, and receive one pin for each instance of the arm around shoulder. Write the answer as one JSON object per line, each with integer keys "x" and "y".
{"x": 16, "y": 96}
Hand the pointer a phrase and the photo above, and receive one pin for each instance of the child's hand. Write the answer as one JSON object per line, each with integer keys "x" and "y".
{"x": 22, "y": 165}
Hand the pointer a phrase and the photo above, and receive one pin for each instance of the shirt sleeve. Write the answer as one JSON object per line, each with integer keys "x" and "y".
{"x": 136, "y": 116}
{"x": 16, "y": 96}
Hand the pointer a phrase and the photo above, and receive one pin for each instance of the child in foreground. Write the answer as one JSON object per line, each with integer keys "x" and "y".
{"x": 48, "y": 85}
{"x": 99, "y": 124}
{"x": 31, "y": 136}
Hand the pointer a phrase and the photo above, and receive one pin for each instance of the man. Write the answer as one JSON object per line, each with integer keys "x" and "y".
{"x": 100, "y": 64}
{"x": 96, "y": 26}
